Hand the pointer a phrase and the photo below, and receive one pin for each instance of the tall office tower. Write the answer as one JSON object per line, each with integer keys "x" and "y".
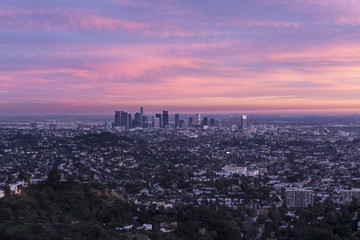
{"x": 117, "y": 118}
{"x": 145, "y": 123}
{"x": 134, "y": 123}
{"x": 129, "y": 121}
{"x": 137, "y": 120}
{"x": 205, "y": 122}
{"x": 177, "y": 119}
{"x": 124, "y": 119}
{"x": 243, "y": 122}
{"x": 191, "y": 121}
{"x": 158, "y": 115}
{"x": 165, "y": 118}
{"x": 299, "y": 198}
{"x": 141, "y": 116}
{"x": 212, "y": 122}
{"x": 198, "y": 119}
{"x": 348, "y": 195}
{"x": 156, "y": 122}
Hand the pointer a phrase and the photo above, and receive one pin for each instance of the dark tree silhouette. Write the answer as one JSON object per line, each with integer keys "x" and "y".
{"x": 54, "y": 177}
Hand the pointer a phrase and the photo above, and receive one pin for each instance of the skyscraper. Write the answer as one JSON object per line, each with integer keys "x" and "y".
{"x": 212, "y": 122}
{"x": 155, "y": 122}
{"x": 141, "y": 116}
{"x": 165, "y": 118}
{"x": 129, "y": 123}
{"x": 124, "y": 119}
{"x": 117, "y": 118}
{"x": 145, "y": 121}
{"x": 137, "y": 120}
{"x": 191, "y": 121}
{"x": 243, "y": 122}
{"x": 205, "y": 122}
{"x": 158, "y": 115}
{"x": 177, "y": 120}
{"x": 198, "y": 119}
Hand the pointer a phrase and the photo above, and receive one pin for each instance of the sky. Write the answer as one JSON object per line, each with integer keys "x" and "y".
{"x": 233, "y": 56}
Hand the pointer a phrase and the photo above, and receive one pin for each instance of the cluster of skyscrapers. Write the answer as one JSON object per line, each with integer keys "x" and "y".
{"x": 124, "y": 120}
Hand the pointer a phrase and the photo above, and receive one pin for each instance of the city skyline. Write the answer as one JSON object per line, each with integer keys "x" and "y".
{"x": 206, "y": 56}
{"x": 124, "y": 120}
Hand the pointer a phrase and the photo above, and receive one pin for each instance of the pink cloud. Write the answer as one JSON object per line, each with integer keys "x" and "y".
{"x": 344, "y": 12}
{"x": 259, "y": 23}
{"x": 14, "y": 19}
{"x": 130, "y": 74}
{"x": 156, "y": 62}
{"x": 134, "y": 3}
{"x": 64, "y": 19}
{"x": 347, "y": 20}
{"x": 272, "y": 24}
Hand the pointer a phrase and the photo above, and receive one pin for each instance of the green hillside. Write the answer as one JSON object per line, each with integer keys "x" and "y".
{"x": 67, "y": 211}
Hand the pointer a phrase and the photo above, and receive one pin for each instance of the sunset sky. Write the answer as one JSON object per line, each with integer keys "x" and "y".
{"x": 233, "y": 56}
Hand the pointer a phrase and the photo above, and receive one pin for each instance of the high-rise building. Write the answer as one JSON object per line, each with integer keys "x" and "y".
{"x": 156, "y": 122}
{"x": 141, "y": 116}
{"x": 136, "y": 122}
{"x": 348, "y": 195}
{"x": 205, "y": 122}
{"x": 177, "y": 120}
{"x": 124, "y": 119}
{"x": 198, "y": 119}
{"x": 299, "y": 198}
{"x": 191, "y": 122}
{"x": 243, "y": 122}
{"x": 117, "y": 119}
{"x": 165, "y": 118}
{"x": 129, "y": 122}
{"x": 158, "y": 115}
{"x": 212, "y": 122}
{"x": 145, "y": 123}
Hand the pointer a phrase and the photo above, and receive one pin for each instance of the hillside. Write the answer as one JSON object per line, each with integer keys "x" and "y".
{"x": 91, "y": 211}
{"x": 68, "y": 211}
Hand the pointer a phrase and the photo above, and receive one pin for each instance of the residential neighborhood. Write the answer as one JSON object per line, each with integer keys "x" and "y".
{"x": 254, "y": 170}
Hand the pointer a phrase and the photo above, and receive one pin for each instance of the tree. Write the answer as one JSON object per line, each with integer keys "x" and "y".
{"x": 7, "y": 189}
{"x": 5, "y": 214}
{"x": 22, "y": 176}
{"x": 54, "y": 177}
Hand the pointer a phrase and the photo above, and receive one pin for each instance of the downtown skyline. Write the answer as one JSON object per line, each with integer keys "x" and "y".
{"x": 185, "y": 56}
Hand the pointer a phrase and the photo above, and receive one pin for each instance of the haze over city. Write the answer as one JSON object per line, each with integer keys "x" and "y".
{"x": 186, "y": 56}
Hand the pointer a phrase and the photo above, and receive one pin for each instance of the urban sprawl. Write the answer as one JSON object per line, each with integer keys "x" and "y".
{"x": 256, "y": 164}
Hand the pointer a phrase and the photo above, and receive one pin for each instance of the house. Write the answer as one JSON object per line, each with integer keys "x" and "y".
{"x": 146, "y": 227}
{"x": 16, "y": 188}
